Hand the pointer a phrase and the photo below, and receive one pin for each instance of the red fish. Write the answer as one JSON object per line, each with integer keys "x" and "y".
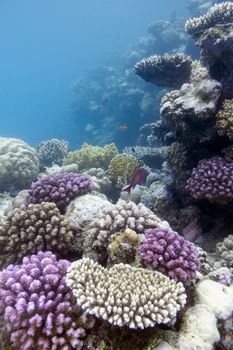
{"x": 122, "y": 127}
{"x": 138, "y": 178}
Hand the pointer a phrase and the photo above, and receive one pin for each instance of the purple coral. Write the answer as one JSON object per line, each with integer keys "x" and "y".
{"x": 168, "y": 252}
{"x": 39, "y": 310}
{"x": 212, "y": 179}
{"x": 59, "y": 188}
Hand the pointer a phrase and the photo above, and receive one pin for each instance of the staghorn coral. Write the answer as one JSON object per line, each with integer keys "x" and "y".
{"x": 112, "y": 220}
{"x": 52, "y": 151}
{"x": 124, "y": 295}
{"x": 212, "y": 179}
{"x": 224, "y": 120}
{"x": 39, "y": 309}
{"x": 168, "y": 252}
{"x": 217, "y": 15}
{"x": 225, "y": 251}
{"x": 168, "y": 70}
{"x": 121, "y": 169}
{"x": 92, "y": 156}
{"x": 27, "y": 230}
{"x": 59, "y": 188}
{"x": 19, "y": 164}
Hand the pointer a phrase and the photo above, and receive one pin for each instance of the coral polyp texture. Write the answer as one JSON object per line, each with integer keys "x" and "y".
{"x": 167, "y": 70}
{"x": 59, "y": 188}
{"x": 52, "y": 152}
{"x": 168, "y": 252}
{"x": 224, "y": 120}
{"x": 217, "y": 15}
{"x": 212, "y": 179}
{"x": 121, "y": 169}
{"x": 19, "y": 164}
{"x": 92, "y": 156}
{"x": 225, "y": 251}
{"x": 39, "y": 310}
{"x": 124, "y": 295}
{"x": 38, "y": 227}
{"x": 124, "y": 215}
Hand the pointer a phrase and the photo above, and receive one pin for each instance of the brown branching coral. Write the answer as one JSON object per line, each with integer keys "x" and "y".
{"x": 124, "y": 295}
{"x": 224, "y": 120}
{"x": 28, "y": 230}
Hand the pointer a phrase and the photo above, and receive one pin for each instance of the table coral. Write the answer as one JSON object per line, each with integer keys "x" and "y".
{"x": 212, "y": 179}
{"x": 39, "y": 309}
{"x": 52, "y": 151}
{"x": 124, "y": 295}
{"x": 121, "y": 169}
{"x": 59, "y": 188}
{"x": 27, "y": 230}
{"x": 19, "y": 164}
{"x": 168, "y": 252}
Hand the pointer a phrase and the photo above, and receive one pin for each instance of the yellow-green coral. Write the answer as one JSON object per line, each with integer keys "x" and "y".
{"x": 121, "y": 169}
{"x": 92, "y": 156}
{"x": 224, "y": 120}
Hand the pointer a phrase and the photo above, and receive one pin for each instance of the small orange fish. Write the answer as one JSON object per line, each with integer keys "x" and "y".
{"x": 122, "y": 127}
{"x": 138, "y": 178}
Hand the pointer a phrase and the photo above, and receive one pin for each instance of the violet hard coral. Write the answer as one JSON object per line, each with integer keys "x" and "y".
{"x": 166, "y": 251}
{"x": 39, "y": 309}
{"x": 59, "y": 188}
{"x": 212, "y": 179}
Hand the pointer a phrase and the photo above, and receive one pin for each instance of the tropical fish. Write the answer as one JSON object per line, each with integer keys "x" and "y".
{"x": 122, "y": 127}
{"x": 138, "y": 178}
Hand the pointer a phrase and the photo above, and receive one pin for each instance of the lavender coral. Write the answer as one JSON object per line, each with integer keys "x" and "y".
{"x": 166, "y": 251}
{"x": 212, "y": 179}
{"x": 39, "y": 310}
{"x": 59, "y": 188}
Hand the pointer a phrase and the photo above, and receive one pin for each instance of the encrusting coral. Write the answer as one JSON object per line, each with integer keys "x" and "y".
{"x": 225, "y": 251}
{"x": 38, "y": 227}
{"x": 121, "y": 169}
{"x": 224, "y": 119}
{"x": 92, "y": 156}
{"x": 59, "y": 188}
{"x": 52, "y": 151}
{"x": 166, "y": 251}
{"x": 167, "y": 70}
{"x": 19, "y": 165}
{"x": 212, "y": 179}
{"x": 39, "y": 310}
{"x": 124, "y": 295}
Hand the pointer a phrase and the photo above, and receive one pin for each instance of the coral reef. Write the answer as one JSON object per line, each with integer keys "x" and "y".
{"x": 121, "y": 169}
{"x": 167, "y": 70}
{"x": 38, "y": 227}
{"x": 124, "y": 295}
{"x": 166, "y": 251}
{"x": 225, "y": 251}
{"x": 39, "y": 309}
{"x": 92, "y": 156}
{"x": 59, "y": 188}
{"x": 52, "y": 151}
{"x": 19, "y": 164}
{"x": 151, "y": 156}
{"x": 101, "y": 182}
{"x": 212, "y": 179}
{"x": 224, "y": 120}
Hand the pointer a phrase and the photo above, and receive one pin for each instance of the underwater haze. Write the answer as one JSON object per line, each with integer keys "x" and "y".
{"x": 45, "y": 45}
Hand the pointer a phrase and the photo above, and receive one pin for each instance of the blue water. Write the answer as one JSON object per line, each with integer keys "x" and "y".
{"x": 47, "y": 44}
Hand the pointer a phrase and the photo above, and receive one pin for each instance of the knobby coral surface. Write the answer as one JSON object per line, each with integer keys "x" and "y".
{"x": 39, "y": 309}
{"x": 121, "y": 169}
{"x": 124, "y": 295}
{"x": 52, "y": 151}
{"x": 224, "y": 119}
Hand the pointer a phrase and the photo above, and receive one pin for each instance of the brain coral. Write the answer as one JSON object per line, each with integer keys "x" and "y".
{"x": 121, "y": 169}
{"x": 27, "y": 230}
{"x": 167, "y": 70}
{"x": 38, "y": 307}
{"x": 168, "y": 252}
{"x": 224, "y": 119}
{"x": 92, "y": 156}
{"x": 59, "y": 188}
{"x": 124, "y": 295}
{"x": 52, "y": 152}
{"x": 217, "y": 15}
{"x": 212, "y": 179}
{"x": 19, "y": 165}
